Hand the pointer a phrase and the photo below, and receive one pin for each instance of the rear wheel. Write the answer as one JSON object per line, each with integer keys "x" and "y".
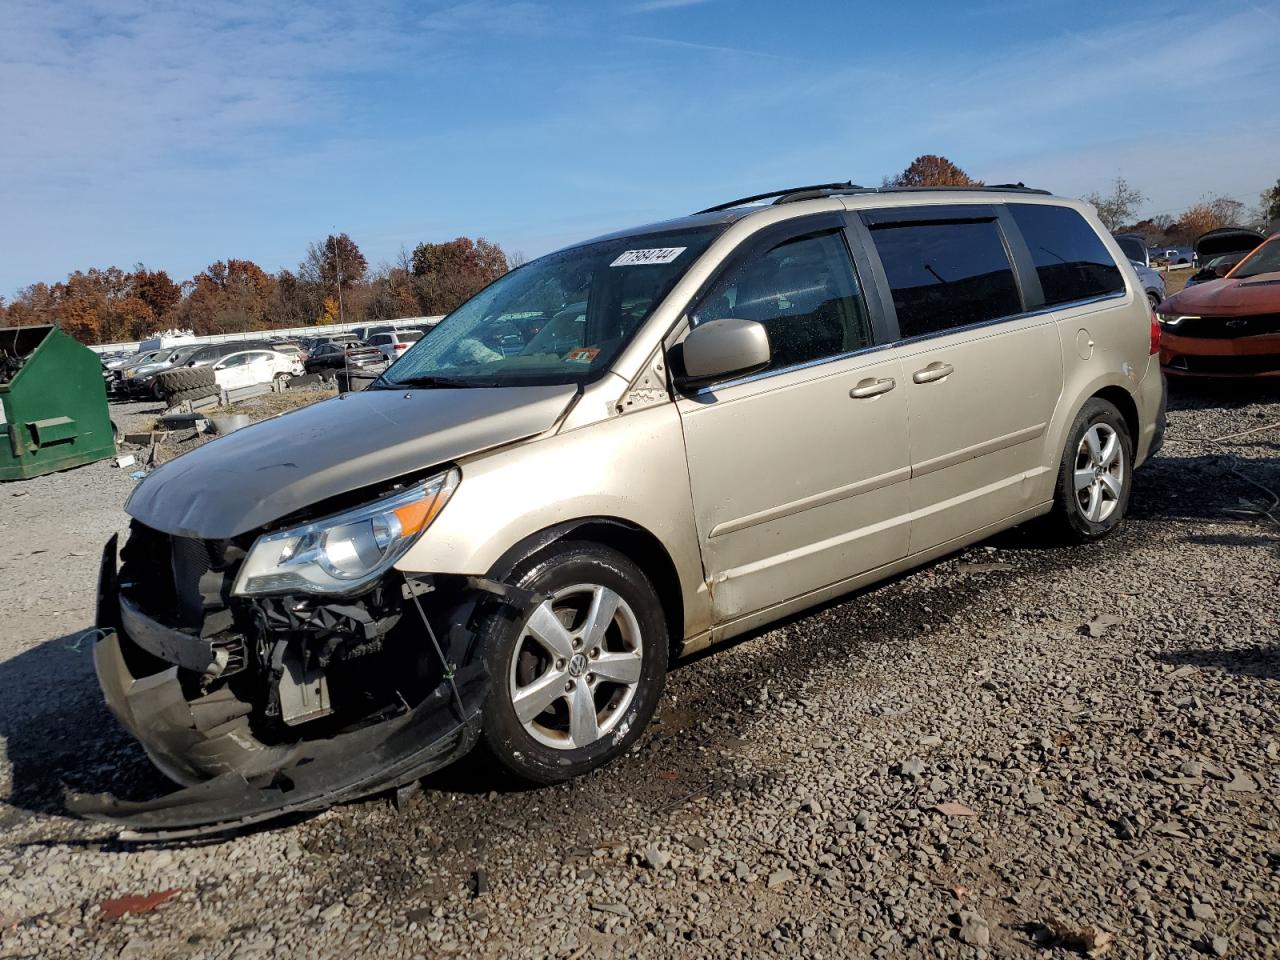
{"x": 576, "y": 679}
{"x": 1095, "y": 476}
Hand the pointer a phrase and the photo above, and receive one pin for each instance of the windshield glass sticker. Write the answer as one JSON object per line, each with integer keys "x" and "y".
{"x": 582, "y": 355}
{"x": 639, "y": 258}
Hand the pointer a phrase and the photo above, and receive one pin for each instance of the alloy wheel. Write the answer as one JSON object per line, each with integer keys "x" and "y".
{"x": 576, "y": 666}
{"x": 1099, "y": 472}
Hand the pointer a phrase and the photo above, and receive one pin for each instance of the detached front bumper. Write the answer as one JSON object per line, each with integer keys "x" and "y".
{"x": 234, "y": 779}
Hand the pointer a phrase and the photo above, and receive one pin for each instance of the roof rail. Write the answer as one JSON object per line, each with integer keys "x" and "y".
{"x": 796, "y": 194}
{"x": 820, "y": 189}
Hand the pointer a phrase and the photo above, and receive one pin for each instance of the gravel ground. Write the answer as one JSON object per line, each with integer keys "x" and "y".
{"x": 1022, "y": 750}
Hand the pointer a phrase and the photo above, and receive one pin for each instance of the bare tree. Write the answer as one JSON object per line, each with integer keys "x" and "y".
{"x": 1118, "y": 207}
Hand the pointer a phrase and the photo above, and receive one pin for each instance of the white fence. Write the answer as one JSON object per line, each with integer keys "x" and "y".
{"x": 315, "y": 330}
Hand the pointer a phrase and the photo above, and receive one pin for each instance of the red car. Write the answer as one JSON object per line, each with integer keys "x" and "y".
{"x": 1228, "y": 327}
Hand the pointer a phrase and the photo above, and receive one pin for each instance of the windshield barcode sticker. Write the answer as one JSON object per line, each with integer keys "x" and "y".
{"x": 639, "y": 258}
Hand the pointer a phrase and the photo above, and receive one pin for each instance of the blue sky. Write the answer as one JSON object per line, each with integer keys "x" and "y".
{"x": 181, "y": 133}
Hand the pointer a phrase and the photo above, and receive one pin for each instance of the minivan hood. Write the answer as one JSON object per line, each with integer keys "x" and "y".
{"x": 270, "y": 469}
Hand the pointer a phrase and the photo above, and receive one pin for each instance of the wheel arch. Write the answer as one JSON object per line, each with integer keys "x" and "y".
{"x": 1122, "y": 400}
{"x": 628, "y": 538}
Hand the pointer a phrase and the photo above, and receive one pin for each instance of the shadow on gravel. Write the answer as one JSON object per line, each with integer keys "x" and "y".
{"x": 1261, "y": 663}
{"x": 1223, "y": 394}
{"x": 58, "y": 733}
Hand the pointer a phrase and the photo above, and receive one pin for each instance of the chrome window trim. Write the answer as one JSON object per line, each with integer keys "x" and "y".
{"x": 1038, "y": 312}
{"x": 807, "y": 365}
{"x": 877, "y": 347}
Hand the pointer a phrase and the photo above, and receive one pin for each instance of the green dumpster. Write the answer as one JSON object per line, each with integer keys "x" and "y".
{"x": 53, "y": 403}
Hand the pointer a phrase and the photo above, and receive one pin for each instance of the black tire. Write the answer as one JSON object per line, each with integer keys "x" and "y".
{"x": 1154, "y": 300}
{"x": 196, "y": 393}
{"x": 1070, "y": 520}
{"x": 505, "y": 742}
{"x": 186, "y": 378}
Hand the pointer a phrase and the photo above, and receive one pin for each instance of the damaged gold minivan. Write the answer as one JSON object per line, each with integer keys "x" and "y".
{"x": 615, "y": 455}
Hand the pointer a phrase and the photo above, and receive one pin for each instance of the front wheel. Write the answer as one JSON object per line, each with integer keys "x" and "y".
{"x": 576, "y": 679}
{"x": 1095, "y": 476}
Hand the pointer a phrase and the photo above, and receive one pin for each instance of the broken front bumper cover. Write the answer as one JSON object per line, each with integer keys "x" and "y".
{"x": 253, "y": 782}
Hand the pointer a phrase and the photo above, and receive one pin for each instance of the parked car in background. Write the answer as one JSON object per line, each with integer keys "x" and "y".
{"x": 1152, "y": 283}
{"x": 1134, "y": 246}
{"x": 252, "y": 367}
{"x": 1215, "y": 269}
{"x": 344, "y": 356}
{"x": 210, "y": 353}
{"x": 1171, "y": 255}
{"x": 395, "y": 343}
{"x": 1224, "y": 241}
{"x": 1227, "y": 327}
{"x": 762, "y": 407}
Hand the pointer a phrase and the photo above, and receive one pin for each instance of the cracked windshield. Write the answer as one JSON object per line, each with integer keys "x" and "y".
{"x": 560, "y": 319}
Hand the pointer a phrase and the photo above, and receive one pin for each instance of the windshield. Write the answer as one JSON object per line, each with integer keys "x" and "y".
{"x": 559, "y": 319}
{"x": 1266, "y": 259}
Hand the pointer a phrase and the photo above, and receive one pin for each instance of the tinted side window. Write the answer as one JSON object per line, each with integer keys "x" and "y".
{"x": 804, "y": 292}
{"x": 946, "y": 275}
{"x": 1071, "y": 260}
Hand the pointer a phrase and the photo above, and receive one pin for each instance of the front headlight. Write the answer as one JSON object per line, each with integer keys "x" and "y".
{"x": 345, "y": 552}
{"x": 1173, "y": 319}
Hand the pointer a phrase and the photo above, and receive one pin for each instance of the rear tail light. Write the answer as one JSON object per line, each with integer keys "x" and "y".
{"x": 1155, "y": 333}
{"x": 402, "y": 346}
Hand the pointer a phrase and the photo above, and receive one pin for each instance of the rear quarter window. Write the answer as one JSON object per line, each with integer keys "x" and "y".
{"x": 1070, "y": 258}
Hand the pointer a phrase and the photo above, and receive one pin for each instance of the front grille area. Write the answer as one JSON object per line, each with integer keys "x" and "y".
{"x": 181, "y": 581}
{"x": 1228, "y": 328}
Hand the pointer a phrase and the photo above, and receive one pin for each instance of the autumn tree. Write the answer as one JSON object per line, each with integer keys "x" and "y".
{"x": 1117, "y": 207}
{"x": 97, "y": 306}
{"x": 229, "y": 296}
{"x": 447, "y": 274}
{"x": 931, "y": 170}
{"x": 1211, "y": 213}
{"x": 333, "y": 266}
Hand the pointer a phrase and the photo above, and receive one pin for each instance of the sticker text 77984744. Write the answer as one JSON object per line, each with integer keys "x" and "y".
{"x": 640, "y": 258}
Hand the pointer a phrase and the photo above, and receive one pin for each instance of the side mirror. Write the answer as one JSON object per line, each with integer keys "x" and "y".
{"x": 719, "y": 349}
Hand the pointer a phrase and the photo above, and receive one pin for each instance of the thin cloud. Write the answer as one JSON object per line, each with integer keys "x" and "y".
{"x": 650, "y": 5}
{"x": 704, "y": 47}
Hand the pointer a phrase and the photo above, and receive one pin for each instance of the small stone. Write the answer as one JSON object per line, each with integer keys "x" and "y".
{"x": 911, "y": 768}
{"x": 811, "y": 806}
{"x": 1219, "y": 946}
{"x": 861, "y": 820}
{"x": 331, "y": 912}
{"x": 973, "y": 929}
{"x": 1202, "y": 911}
{"x": 1192, "y": 768}
{"x": 780, "y": 877}
{"x": 358, "y": 900}
{"x": 655, "y": 859}
{"x": 1242, "y": 783}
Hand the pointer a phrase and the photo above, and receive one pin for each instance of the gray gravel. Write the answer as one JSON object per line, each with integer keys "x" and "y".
{"x": 1018, "y": 747}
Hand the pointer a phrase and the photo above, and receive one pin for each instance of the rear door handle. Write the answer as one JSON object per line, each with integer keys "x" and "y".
{"x": 872, "y": 388}
{"x": 934, "y": 371}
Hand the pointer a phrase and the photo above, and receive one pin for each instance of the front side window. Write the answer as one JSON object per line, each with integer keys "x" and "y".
{"x": 803, "y": 291}
{"x": 1071, "y": 260}
{"x": 1265, "y": 259}
{"x": 560, "y": 319}
{"x": 946, "y": 275}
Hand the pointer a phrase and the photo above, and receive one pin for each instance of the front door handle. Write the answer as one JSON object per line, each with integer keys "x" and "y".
{"x": 872, "y": 388}
{"x": 934, "y": 371}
